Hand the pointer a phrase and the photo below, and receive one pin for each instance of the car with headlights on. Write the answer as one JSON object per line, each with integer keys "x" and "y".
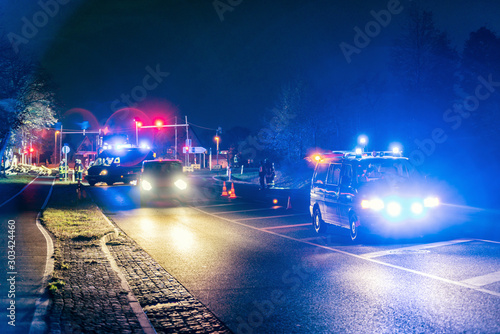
{"x": 162, "y": 179}
{"x": 118, "y": 164}
{"x": 380, "y": 192}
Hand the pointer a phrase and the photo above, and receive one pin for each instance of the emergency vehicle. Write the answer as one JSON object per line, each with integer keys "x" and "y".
{"x": 118, "y": 164}
{"x": 378, "y": 191}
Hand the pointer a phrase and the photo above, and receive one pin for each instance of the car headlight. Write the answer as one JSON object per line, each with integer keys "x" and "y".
{"x": 417, "y": 208}
{"x": 146, "y": 185}
{"x": 431, "y": 202}
{"x": 394, "y": 209}
{"x": 375, "y": 204}
{"x": 181, "y": 184}
{"x": 103, "y": 172}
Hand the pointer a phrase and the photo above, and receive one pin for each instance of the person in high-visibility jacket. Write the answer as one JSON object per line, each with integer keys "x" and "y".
{"x": 78, "y": 170}
{"x": 63, "y": 170}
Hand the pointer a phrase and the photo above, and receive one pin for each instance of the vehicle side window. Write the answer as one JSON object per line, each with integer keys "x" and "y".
{"x": 346, "y": 175}
{"x": 320, "y": 174}
{"x": 334, "y": 174}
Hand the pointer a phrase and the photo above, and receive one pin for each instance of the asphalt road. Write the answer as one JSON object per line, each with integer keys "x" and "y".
{"x": 22, "y": 257}
{"x": 261, "y": 269}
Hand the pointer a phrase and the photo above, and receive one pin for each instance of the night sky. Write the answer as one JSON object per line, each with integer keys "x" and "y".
{"x": 221, "y": 73}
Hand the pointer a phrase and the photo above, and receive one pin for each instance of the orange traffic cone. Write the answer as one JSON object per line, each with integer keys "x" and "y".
{"x": 289, "y": 205}
{"x": 224, "y": 189}
{"x": 232, "y": 194}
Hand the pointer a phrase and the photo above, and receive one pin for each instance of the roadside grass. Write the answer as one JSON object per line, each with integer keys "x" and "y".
{"x": 69, "y": 217}
{"x": 16, "y": 179}
{"x": 12, "y": 184}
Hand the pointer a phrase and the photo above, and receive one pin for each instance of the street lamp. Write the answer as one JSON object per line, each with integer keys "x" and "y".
{"x": 138, "y": 124}
{"x": 217, "y": 139}
{"x": 363, "y": 141}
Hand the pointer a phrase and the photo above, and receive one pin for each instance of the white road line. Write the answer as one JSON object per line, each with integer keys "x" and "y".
{"x": 491, "y": 241}
{"x": 483, "y": 280}
{"x": 270, "y": 217}
{"x": 437, "y": 278}
{"x": 417, "y": 247}
{"x": 285, "y": 226}
{"x": 38, "y": 324}
{"x": 225, "y": 204}
{"x": 248, "y": 210}
{"x": 10, "y": 199}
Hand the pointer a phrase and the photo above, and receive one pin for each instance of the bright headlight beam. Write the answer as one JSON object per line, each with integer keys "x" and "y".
{"x": 417, "y": 208}
{"x": 394, "y": 209}
{"x": 146, "y": 185}
{"x": 181, "y": 184}
{"x": 431, "y": 202}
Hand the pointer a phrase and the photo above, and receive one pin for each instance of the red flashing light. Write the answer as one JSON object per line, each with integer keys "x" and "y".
{"x": 159, "y": 123}
{"x": 105, "y": 130}
{"x": 139, "y": 124}
{"x": 32, "y": 150}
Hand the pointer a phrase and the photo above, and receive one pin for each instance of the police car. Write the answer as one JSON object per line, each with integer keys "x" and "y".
{"x": 378, "y": 191}
{"x": 122, "y": 164}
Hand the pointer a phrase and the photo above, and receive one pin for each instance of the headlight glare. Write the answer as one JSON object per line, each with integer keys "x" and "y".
{"x": 375, "y": 204}
{"x": 146, "y": 185}
{"x": 394, "y": 209}
{"x": 417, "y": 208}
{"x": 181, "y": 184}
{"x": 431, "y": 202}
{"x": 103, "y": 172}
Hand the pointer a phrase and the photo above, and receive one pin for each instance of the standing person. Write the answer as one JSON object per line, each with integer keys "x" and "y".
{"x": 78, "y": 170}
{"x": 62, "y": 170}
{"x": 262, "y": 174}
{"x": 269, "y": 173}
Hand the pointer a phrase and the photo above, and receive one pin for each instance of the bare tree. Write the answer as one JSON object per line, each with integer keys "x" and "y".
{"x": 26, "y": 99}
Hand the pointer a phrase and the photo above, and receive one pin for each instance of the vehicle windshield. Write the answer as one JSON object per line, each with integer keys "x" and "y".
{"x": 107, "y": 161}
{"x": 164, "y": 168}
{"x": 392, "y": 170}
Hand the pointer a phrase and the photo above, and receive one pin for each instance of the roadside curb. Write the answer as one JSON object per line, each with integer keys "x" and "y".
{"x": 133, "y": 302}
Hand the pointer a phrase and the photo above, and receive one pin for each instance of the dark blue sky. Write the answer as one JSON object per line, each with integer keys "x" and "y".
{"x": 224, "y": 73}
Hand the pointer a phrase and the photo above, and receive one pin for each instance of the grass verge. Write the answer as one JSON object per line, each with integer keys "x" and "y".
{"x": 70, "y": 217}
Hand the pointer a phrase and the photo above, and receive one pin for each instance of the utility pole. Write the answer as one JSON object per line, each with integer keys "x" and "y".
{"x": 175, "y": 149}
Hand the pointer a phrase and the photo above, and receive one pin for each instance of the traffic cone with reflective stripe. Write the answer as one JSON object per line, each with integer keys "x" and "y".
{"x": 232, "y": 194}
{"x": 224, "y": 189}
{"x": 289, "y": 205}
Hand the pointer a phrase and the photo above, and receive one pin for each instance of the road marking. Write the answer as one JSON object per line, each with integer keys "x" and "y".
{"x": 437, "y": 278}
{"x": 10, "y": 199}
{"x": 285, "y": 226}
{"x": 248, "y": 210}
{"x": 269, "y": 217}
{"x": 225, "y": 204}
{"x": 38, "y": 324}
{"x": 413, "y": 248}
{"x": 493, "y": 242}
{"x": 483, "y": 280}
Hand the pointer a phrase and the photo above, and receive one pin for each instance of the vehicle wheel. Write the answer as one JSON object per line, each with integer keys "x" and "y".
{"x": 91, "y": 184}
{"x": 318, "y": 223}
{"x": 353, "y": 229}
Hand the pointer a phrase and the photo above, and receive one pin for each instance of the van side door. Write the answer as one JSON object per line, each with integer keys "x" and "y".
{"x": 332, "y": 193}
{"x": 347, "y": 194}
{"x": 318, "y": 184}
